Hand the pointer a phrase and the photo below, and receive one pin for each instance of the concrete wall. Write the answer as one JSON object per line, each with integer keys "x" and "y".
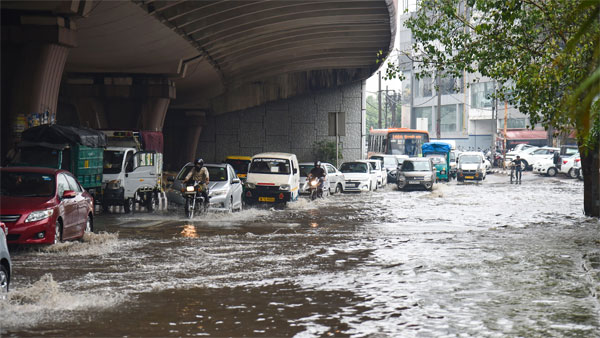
{"x": 291, "y": 125}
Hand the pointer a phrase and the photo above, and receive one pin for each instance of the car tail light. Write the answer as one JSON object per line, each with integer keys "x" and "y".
{"x": 577, "y": 159}
{"x": 4, "y": 228}
{"x": 281, "y": 196}
{"x": 565, "y": 161}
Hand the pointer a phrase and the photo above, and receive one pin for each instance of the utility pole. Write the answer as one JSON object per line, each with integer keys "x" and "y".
{"x": 386, "y": 107}
{"x": 494, "y": 122}
{"x": 394, "y": 101}
{"x": 505, "y": 122}
{"x": 379, "y": 99}
{"x": 438, "y": 116}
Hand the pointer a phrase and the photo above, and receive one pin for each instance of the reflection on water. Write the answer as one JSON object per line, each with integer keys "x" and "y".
{"x": 470, "y": 260}
{"x": 189, "y": 231}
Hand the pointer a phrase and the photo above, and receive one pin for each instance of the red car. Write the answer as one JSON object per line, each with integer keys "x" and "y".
{"x": 43, "y": 205}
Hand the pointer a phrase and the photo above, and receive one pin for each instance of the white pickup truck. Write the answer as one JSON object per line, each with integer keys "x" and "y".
{"x": 130, "y": 175}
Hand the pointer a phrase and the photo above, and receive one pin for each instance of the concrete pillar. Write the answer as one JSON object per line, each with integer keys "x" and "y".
{"x": 34, "y": 53}
{"x": 182, "y": 133}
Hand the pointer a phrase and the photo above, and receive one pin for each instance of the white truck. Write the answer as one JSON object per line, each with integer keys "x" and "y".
{"x": 131, "y": 175}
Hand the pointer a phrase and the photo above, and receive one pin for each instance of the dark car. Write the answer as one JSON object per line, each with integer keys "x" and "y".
{"x": 43, "y": 205}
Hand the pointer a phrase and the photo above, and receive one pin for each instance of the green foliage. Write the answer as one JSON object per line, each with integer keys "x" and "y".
{"x": 324, "y": 151}
{"x": 373, "y": 112}
{"x": 545, "y": 53}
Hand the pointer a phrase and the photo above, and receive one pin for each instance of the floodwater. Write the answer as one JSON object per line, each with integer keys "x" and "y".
{"x": 473, "y": 260}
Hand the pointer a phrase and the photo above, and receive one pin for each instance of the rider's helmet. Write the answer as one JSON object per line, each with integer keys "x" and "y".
{"x": 317, "y": 164}
{"x": 199, "y": 162}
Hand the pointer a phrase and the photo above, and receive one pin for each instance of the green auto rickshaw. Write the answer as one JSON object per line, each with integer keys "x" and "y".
{"x": 439, "y": 152}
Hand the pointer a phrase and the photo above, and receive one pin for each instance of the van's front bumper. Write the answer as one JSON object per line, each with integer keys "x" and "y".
{"x": 469, "y": 176}
{"x": 262, "y": 195}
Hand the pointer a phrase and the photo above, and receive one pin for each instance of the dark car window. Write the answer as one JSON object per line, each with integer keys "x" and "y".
{"x": 270, "y": 166}
{"x": 416, "y": 166}
{"x": 73, "y": 185}
{"x": 27, "y": 184}
{"x": 183, "y": 173}
{"x": 305, "y": 169}
{"x": 113, "y": 161}
{"x": 354, "y": 168}
{"x": 217, "y": 174}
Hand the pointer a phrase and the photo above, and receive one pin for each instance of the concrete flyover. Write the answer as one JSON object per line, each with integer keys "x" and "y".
{"x": 136, "y": 64}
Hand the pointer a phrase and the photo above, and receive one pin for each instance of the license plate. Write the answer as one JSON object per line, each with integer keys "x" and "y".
{"x": 266, "y": 199}
{"x": 469, "y": 177}
{"x": 413, "y": 182}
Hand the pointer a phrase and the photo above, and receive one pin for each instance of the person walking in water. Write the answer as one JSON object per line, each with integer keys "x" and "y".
{"x": 517, "y": 163}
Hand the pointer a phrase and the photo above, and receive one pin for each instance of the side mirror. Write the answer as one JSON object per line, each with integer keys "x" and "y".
{"x": 236, "y": 180}
{"x": 295, "y": 171}
{"x": 69, "y": 194}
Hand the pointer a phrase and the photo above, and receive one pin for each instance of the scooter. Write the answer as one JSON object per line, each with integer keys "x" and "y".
{"x": 315, "y": 187}
{"x": 194, "y": 201}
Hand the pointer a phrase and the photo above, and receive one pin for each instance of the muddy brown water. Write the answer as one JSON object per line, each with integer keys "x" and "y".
{"x": 487, "y": 260}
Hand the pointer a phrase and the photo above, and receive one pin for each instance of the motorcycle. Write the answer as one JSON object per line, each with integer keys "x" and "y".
{"x": 315, "y": 188}
{"x": 194, "y": 201}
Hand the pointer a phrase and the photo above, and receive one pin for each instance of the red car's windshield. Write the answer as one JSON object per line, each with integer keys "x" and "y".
{"x": 27, "y": 184}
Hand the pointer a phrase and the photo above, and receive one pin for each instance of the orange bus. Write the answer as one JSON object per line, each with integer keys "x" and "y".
{"x": 397, "y": 141}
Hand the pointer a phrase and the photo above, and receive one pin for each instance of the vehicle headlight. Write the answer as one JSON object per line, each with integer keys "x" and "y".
{"x": 217, "y": 192}
{"x": 443, "y": 172}
{"x": 39, "y": 215}
{"x": 284, "y": 187}
{"x": 250, "y": 185}
{"x": 189, "y": 188}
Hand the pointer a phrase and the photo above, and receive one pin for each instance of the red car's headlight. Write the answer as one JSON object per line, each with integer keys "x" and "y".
{"x": 39, "y": 215}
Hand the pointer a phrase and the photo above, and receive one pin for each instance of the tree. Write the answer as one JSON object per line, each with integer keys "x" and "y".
{"x": 544, "y": 53}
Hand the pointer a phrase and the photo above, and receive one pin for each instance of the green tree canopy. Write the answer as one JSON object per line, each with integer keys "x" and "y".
{"x": 545, "y": 53}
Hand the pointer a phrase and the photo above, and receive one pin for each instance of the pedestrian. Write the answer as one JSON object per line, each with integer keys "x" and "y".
{"x": 518, "y": 170}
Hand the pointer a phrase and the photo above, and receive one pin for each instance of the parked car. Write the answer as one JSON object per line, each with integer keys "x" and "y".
{"x": 390, "y": 164}
{"x": 44, "y": 205}
{"x": 5, "y": 262}
{"x": 358, "y": 176}
{"x": 334, "y": 182}
{"x": 225, "y": 189}
{"x": 380, "y": 172}
{"x": 568, "y": 165}
{"x": 545, "y": 166}
{"x": 471, "y": 166}
{"x": 417, "y": 171}
{"x": 273, "y": 178}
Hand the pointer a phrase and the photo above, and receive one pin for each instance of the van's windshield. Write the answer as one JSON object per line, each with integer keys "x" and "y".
{"x": 469, "y": 159}
{"x": 270, "y": 166}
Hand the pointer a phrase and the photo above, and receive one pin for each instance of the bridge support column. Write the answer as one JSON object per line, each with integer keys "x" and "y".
{"x": 34, "y": 53}
{"x": 182, "y": 135}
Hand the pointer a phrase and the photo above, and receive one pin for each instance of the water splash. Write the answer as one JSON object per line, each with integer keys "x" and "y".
{"x": 43, "y": 301}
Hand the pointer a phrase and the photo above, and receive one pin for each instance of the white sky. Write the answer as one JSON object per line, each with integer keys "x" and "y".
{"x": 372, "y": 83}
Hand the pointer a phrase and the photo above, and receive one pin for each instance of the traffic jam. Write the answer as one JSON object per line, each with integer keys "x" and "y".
{"x": 90, "y": 218}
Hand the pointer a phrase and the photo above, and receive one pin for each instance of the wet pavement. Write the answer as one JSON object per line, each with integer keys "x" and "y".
{"x": 475, "y": 260}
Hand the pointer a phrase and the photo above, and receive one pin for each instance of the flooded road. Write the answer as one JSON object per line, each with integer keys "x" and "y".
{"x": 487, "y": 260}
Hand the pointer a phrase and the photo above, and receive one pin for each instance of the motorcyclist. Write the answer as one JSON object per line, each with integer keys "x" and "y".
{"x": 318, "y": 172}
{"x": 199, "y": 173}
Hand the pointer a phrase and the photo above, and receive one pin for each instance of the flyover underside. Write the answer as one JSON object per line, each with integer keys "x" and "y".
{"x": 220, "y": 56}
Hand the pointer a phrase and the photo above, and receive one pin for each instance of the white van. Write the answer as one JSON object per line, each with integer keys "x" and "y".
{"x": 471, "y": 166}
{"x": 272, "y": 178}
